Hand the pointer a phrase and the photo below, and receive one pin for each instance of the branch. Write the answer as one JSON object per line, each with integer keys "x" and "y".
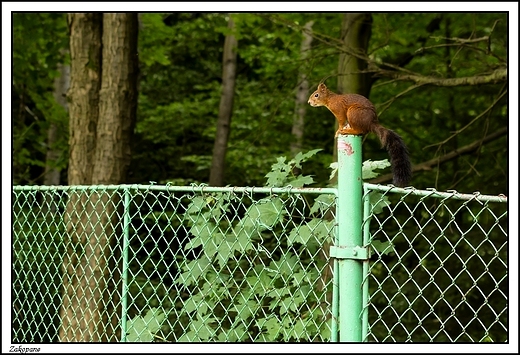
{"x": 428, "y": 165}
{"x": 463, "y": 40}
{"x": 499, "y": 75}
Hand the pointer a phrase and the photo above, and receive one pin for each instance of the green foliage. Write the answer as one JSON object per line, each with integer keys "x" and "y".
{"x": 229, "y": 297}
{"x": 430, "y": 45}
{"x": 180, "y": 81}
{"x": 145, "y": 328}
{"x": 39, "y": 40}
{"x": 179, "y": 96}
{"x": 282, "y": 173}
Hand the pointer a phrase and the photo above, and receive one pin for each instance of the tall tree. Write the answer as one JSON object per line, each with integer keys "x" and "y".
{"x": 229, "y": 69}
{"x": 103, "y": 97}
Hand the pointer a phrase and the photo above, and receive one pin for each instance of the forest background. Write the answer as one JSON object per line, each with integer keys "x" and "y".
{"x": 437, "y": 79}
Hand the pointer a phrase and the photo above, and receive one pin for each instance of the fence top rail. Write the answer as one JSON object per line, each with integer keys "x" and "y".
{"x": 171, "y": 188}
{"x": 431, "y": 192}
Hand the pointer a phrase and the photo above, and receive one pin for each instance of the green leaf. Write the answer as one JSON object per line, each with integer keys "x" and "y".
{"x": 287, "y": 304}
{"x": 301, "y": 181}
{"x": 316, "y": 231}
{"x": 334, "y": 168}
{"x": 278, "y": 174}
{"x": 383, "y": 247}
{"x": 302, "y": 157}
{"x": 278, "y": 293}
{"x": 378, "y": 201}
{"x": 245, "y": 310}
{"x": 197, "y": 205}
{"x": 260, "y": 282}
{"x": 305, "y": 277}
{"x": 238, "y": 333}
{"x": 193, "y": 270}
{"x": 272, "y": 325}
{"x": 323, "y": 203}
{"x": 287, "y": 264}
{"x": 203, "y": 328}
{"x": 241, "y": 243}
{"x": 144, "y": 328}
{"x": 224, "y": 251}
{"x": 325, "y": 329}
{"x": 194, "y": 303}
{"x": 367, "y": 171}
{"x": 188, "y": 337}
{"x": 263, "y": 214}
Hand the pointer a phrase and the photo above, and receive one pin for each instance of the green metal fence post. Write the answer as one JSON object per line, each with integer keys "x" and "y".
{"x": 350, "y": 251}
{"x": 366, "y": 263}
{"x": 124, "y": 276}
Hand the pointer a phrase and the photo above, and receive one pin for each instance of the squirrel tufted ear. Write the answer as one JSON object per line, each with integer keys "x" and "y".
{"x": 322, "y": 86}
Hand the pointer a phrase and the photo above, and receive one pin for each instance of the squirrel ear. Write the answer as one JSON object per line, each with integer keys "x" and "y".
{"x": 322, "y": 86}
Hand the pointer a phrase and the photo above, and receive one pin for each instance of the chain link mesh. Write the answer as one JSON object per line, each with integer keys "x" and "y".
{"x": 439, "y": 269}
{"x": 169, "y": 264}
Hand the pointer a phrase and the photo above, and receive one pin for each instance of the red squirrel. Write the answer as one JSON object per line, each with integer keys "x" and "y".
{"x": 357, "y": 115}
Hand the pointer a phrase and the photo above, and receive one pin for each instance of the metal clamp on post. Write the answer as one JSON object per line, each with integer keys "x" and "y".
{"x": 344, "y": 252}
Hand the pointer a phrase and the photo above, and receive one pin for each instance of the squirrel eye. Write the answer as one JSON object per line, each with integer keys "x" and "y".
{"x": 316, "y": 95}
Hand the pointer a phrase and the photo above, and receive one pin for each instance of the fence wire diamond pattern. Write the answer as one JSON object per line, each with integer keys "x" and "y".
{"x": 171, "y": 265}
{"x": 184, "y": 264}
{"x": 440, "y": 269}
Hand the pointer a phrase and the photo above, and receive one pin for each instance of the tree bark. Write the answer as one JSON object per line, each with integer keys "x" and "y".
{"x": 229, "y": 68}
{"x": 356, "y": 30}
{"x": 85, "y": 53}
{"x": 102, "y": 156}
{"x": 118, "y": 99}
{"x": 302, "y": 94}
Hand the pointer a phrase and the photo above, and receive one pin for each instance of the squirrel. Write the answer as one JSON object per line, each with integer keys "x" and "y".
{"x": 357, "y": 115}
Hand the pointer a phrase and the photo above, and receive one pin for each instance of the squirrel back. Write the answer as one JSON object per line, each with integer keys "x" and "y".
{"x": 357, "y": 115}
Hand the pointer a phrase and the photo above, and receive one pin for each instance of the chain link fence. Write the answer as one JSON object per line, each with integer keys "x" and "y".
{"x": 171, "y": 264}
{"x": 439, "y": 270}
{"x": 199, "y": 264}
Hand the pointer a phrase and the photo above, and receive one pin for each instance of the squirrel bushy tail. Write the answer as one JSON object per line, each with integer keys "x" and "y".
{"x": 393, "y": 143}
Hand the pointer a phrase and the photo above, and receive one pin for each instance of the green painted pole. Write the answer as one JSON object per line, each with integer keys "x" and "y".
{"x": 350, "y": 238}
{"x": 335, "y": 303}
{"x": 124, "y": 276}
{"x": 366, "y": 263}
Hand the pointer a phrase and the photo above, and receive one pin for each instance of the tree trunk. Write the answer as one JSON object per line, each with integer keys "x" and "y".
{"x": 85, "y": 72}
{"x": 90, "y": 277}
{"x": 356, "y": 30}
{"x": 229, "y": 68}
{"x": 85, "y": 53}
{"x": 302, "y": 94}
{"x": 118, "y": 98}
